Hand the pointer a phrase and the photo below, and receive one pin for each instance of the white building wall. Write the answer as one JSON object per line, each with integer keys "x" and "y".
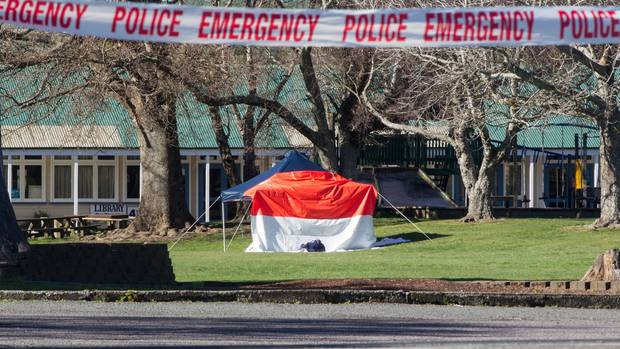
{"x": 24, "y": 209}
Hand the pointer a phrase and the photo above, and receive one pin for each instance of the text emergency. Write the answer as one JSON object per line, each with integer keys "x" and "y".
{"x": 42, "y": 13}
{"x": 247, "y": 26}
{"x": 481, "y": 26}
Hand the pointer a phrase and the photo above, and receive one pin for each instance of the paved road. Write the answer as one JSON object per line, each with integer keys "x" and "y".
{"x": 199, "y": 325}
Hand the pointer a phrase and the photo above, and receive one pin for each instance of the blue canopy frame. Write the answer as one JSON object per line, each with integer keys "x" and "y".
{"x": 293, "y": 161}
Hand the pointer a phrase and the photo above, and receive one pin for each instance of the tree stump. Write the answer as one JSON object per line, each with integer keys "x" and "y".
{"x": 606, "y": 267}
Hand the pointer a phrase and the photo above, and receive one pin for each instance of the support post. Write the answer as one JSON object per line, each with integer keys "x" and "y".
{"x": 75, "y": 185}
{"x": 531, "y": 180}
{"x": 207, "y": 189}
{"x": 223, "y": 226}
{"x": 596, "y": 170}
{"x": 140, "y": 181}
{"x": 9, "y": 177}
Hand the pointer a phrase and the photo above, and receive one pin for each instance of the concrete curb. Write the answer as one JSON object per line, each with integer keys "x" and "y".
{"x": 323, "y": 296}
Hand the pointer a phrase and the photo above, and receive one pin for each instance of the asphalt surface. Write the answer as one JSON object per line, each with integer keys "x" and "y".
{"x": 238, "y": 325}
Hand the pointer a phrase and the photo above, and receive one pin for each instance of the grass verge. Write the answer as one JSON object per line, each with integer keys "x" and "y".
{"x": 506, "y": 249}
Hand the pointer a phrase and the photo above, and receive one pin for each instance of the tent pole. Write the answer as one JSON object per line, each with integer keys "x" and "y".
{"x": 238, "y": 226}
{"x": 223, "y": 227}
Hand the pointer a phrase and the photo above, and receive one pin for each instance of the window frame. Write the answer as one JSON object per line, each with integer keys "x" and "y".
{"x": 21, "y": 164}
{"x": 95, "y": 163}
{"x": 130, "y": 162}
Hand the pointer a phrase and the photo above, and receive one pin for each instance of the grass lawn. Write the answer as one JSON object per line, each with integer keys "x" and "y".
{"x": 507, "y": 249}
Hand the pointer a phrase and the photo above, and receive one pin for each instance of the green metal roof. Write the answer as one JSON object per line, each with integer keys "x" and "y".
{"x": 194, "y": 118}
{"x": 553, "y": 132}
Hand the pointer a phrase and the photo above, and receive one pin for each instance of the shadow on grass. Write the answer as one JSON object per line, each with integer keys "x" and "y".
{"x": 415, "y": 236}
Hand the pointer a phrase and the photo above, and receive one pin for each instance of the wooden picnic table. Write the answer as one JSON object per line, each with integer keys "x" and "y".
{"x": 55, "y": 227}
{"x": 114, "y": 221}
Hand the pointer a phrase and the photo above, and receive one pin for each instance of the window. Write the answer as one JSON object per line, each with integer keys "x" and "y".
{"x": 15, "y": 192}
{"x": 105, "y": 182}
{"x": 96, "y": 178}
{"x": 85, "y": 182}
{"x": 133, "y": 181}
{"x": 62, "y": 181}
{"x": 27, "y": 182}
{"x": 34, "y": 181}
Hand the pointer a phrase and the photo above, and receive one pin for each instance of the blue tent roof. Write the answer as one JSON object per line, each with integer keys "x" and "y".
{"x": 293, "y": 161}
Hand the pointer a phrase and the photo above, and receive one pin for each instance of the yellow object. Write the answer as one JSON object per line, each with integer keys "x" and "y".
{"x": 579, "y": 180}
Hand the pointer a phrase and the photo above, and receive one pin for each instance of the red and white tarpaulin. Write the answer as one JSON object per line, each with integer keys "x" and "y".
{"x": 420, "y": 27}
{"x": 293, "y": 208}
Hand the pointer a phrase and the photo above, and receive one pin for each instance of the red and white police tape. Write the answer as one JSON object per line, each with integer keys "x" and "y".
{"x": 421, "y": 27}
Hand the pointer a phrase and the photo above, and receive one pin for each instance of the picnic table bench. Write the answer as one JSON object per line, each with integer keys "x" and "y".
{"x": 115, "y": 221}
{"x": 54, "y": 227}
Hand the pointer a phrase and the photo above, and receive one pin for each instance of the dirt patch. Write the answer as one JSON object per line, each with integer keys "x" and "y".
{"x": 129, "y": 235}
{"x": 435, "y": 285}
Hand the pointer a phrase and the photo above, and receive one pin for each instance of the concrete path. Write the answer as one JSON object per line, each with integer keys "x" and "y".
{"x": 236, "y": 325}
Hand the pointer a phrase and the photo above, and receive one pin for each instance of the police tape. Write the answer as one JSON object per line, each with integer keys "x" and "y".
{"x": 420, "y": 27}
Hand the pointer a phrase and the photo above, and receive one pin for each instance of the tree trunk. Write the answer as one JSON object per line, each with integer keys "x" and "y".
{"x": 162, "y": 204}
{"x": 328, "y": 156}
{"x": 610, "y": 172}
{"x": 349, "y": 154}
{"x": 479, "y": 205}
{"x": 475, "y": 180}
{"x": 249, "y": 151}
{"x": 249, "y": 162}
{"x": 349, "y": 150}
{"x": 606, "y": 267}
{"x": 228, "y": 162}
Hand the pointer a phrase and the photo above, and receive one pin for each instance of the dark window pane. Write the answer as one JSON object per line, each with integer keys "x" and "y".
{"x": 133, "y": 182}
{"x": 34, "y": 181}
{"x": 15, "y": 182}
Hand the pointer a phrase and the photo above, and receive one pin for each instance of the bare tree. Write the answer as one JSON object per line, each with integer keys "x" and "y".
{"x": 582, "y": 81}
{"x": 323, "y": 114}
{"x": 139, "y": 77}
{"x": 457, "y": 96}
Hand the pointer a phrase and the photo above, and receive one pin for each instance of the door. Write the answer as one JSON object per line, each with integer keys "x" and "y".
{"x": 557, "y": 184}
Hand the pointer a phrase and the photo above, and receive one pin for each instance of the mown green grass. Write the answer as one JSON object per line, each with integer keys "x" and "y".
{"x": 507, "y": 249}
